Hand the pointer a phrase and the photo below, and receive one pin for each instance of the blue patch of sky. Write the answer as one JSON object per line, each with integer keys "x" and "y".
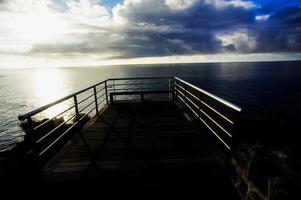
{"x": 271, "y": 6}
{"x": 61, "y": 4}
{"x": 264, "y": 6}
{"x": 110, "y": 3}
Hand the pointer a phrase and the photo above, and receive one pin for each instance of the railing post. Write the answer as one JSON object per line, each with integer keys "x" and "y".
{"x": 106, "y": 89}
{"x": 96, "y": 104}
{"x": 169, "y": 95}
{"x": 201, "y": 106}
{"x": 76, "y": 108}
{"x": 114, "y": 85}
{"x": 111, "y": 98}
{"x": 185, "y": 92}
{"x": 176, "y": 90}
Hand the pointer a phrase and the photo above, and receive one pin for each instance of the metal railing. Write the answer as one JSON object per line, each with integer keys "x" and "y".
{"x": 140, "y": 88}
{"x": 47, "y": 131}
{"x": 217, "y": 114}
{"x": 79, "y": 107}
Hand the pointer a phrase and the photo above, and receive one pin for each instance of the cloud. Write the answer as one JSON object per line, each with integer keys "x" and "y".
{"x": 222, "y": 4}
{"x": 42, "y": 26}
{"x": 188, "y": 21}
{"x": 179, "y": 4}
{"x": 262, "y": 17}
{"x": 281, "y": 32}
{"x": 147, "y": 28}
{"x": 207, "y": 27}
{"x": 239, "y": 40}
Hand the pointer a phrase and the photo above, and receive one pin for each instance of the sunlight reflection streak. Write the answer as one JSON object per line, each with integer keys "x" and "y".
{"x": 49, "y": 86}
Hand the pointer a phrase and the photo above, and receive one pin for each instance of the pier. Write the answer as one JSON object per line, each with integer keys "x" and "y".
{"x": 129, "y": 133}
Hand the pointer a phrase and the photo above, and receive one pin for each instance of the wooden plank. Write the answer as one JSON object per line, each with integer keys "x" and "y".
{"x": 145, "y": 138}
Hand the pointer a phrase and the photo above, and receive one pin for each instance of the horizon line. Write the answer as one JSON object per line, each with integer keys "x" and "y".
{"x": 170, "y": 60}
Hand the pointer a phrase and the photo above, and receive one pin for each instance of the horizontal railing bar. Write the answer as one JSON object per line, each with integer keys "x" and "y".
{"x": 101, "y": 96}
{"x": 220, "y": 114}
{"x": 188, "y": 98}
{"x": 199, "y": 109}
{"x": 140, "y": 78}
{"x": 101, "y": 101}
{"x": 63, "y": 134}
{"x": 217, "y": 124}
{"x": 88, "y": 88}
{"x": 139, "y": 99}
{"x": 87, "y": 106}
{"x": 134, "y": 89}
{"x": 140, "y": 87}
{"x": 56, "y": 128}
{"x": 216, "y": 135}
{"x": 187, "y": 91}
{"x": 98, "y": 91}
{"x": 40, "y": 125}
{"x": 56, "y": 140}
{"x": 81, "y": 101}
{"x": 231, "y": 105}
{"x": 142, "y": 92}
{"x": 138, "y": 84}
{"x": 89, "y": 112}
{"x": 38, "y": 110}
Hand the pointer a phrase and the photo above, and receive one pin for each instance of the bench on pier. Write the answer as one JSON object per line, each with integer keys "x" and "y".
{"x": 142, "y": 94}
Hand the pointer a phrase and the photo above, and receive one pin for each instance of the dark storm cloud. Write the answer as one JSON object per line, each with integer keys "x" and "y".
{"x": 200, "y": 15}
{"x": 155, "y": 29}
{"x": 289, "y": 16}
{"x": 197, "y": 28}
{"x": 187, "y": 31}
{"x": 281, "y": 32}
{"x": 154, "y": 44}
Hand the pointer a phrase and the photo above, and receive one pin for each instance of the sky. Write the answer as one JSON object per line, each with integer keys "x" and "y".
{"x": 61, "y": 33}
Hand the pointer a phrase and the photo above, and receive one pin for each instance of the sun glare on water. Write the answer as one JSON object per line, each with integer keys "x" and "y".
{"x": 50, "y": 86}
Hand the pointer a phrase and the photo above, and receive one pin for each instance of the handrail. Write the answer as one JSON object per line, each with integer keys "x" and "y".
{"x": 207, "y": 115}
{"x": 217, "y": 112}
{"x": 209, "y": 127}
{"x": 227, "y": 103}
{"x": 82, "y": 108}
{"x": 140, "y": 78}
{"x": 41, "y": 109}
{"x": 174, "y": 85}
{"x": 47, "y": 121}
{"x": 193, "y": 98}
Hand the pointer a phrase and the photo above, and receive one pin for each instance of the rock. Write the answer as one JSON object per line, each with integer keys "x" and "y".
{"x": 262, "y": 173}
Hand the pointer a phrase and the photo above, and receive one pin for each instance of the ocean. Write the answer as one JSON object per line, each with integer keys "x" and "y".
{"x": 268, "y": 92}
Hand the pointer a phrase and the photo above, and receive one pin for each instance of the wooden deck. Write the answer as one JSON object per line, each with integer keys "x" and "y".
{"x": 143, "y": 145}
